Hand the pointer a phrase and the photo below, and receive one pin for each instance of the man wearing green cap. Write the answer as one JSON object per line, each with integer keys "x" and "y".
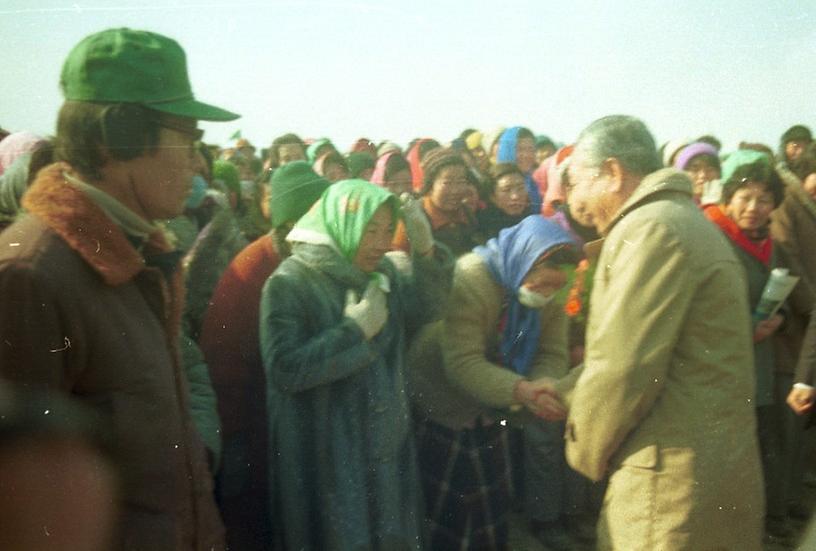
{"x": 93, "y": 296}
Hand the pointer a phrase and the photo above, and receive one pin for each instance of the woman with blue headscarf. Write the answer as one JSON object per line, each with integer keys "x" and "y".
{"x": 493, "y": 356}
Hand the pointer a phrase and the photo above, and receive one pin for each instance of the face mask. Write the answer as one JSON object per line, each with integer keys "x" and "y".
{"x": 531, "y": 299}
{"x": 198, "y": 192}
{"x": 247, "y": 189}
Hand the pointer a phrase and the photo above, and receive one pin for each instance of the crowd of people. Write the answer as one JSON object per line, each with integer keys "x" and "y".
{"x": 388, "y": 348}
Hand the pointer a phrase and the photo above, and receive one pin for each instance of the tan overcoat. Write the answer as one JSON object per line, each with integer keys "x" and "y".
{"x": 664, "y": 402}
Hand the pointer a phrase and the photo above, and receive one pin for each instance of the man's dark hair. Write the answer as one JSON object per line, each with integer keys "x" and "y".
{"x": 125, "y": 130}
{"x": 286, "y": 139}
{"x": 806, "y": 165}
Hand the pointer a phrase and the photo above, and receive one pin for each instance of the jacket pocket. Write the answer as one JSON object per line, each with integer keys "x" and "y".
{"x": 644, "y": 458}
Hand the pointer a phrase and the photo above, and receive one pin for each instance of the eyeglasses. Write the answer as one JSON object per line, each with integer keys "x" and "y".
{"x": 195, "y": 134}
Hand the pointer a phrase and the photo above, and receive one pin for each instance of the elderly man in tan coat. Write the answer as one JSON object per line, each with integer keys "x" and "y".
{"x": 663, "y": 404}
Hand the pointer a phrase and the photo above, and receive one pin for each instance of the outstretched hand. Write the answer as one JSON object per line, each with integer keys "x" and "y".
{"x": 541, "y": 398}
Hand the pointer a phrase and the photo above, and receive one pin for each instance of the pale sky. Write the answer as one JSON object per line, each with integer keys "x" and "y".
{"x": 385, "y": 69}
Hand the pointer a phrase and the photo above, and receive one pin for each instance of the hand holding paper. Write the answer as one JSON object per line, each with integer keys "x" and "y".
{"x": 777, "y": 289}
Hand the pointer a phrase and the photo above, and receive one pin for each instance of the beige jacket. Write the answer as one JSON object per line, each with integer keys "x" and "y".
{"x": 452, "y": 379}
{"x": 664, "y": 402}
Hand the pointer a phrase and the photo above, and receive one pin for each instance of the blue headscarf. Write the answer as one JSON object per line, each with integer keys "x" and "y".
{"x": 509, "y": 257}
{"x": 506, "y": 153}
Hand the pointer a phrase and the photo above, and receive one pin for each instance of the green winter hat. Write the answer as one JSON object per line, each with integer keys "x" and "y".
{"x": 358, "y": 162}
{"x": 293, "y": 190}
{"x": 340, "y": 216}
{"x": 127, "y": 66}
{"x": 739, "y": 158}
{"x": 311, "y": 151}
{"x": 228, "y": 174}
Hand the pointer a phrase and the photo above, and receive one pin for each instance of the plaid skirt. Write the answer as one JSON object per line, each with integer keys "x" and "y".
{"x": 466, "y": 481}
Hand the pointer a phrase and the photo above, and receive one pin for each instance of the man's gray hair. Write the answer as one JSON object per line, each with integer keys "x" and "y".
{"x": 623, "y": 137}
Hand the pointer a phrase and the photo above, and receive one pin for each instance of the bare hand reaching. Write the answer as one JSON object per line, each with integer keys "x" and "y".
{"x": 541, "y": 398}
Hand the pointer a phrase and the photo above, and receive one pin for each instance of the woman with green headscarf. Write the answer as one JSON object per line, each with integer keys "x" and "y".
{"x": 335, "y": 319}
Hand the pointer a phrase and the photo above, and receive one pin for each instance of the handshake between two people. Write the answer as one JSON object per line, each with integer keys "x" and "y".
{"x": 541, "y": 398}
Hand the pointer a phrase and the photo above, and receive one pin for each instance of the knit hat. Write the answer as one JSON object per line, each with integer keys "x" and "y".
{"x": 489, "y": 139}
{"x": 294, "y": 189}
{"x": 311, "y": 151}
{"x": 227, "y": 174}
{"x": 692, "y": 150}
{"x": 358, "y": 162}
{"x": 474, "y": 140}
{"x": 388, "y": 147}
{"x": 127, "y": 66}
{"x": 364, "y": 145}
{"x": 797, "y": 133}
{"x": 435, "y": 161}
{"x": 672, "y": 147}
{"x": 739, "y": 158}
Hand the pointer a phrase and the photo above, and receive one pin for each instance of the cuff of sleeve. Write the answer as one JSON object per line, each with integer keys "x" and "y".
{"x": 802, "y": 386}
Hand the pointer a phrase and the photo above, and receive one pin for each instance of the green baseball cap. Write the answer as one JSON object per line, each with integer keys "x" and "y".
{"x": 128, "y": 66}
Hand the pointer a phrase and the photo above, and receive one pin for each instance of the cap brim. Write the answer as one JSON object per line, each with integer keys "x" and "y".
{"x": 194, "y": 110}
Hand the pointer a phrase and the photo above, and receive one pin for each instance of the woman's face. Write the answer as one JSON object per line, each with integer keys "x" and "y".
{"x": 700, "y": 170}
{"x": 449, "y": 188}
{"x": 480, "y": 157}
{"x": 400, "y": 182}
{"x": 290, "y": 152}
{"x": 334, "y": 172}
{"x": 794, "y": 150}
{"x": 544, "y": 279}
{"x": 376, "y": 240}
{"x": 510, "y": 195}
{"x": 525, "y": 154}
{"x": 751, "y": 206}
{"x": 471, "y": 198}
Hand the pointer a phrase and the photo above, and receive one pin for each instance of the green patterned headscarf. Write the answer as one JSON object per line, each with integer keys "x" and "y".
{"x": 341, "y": 215}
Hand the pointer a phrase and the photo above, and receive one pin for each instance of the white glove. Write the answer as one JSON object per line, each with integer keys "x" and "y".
{"x": 417, "y": 225}
{"x": 370, "y": 312}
